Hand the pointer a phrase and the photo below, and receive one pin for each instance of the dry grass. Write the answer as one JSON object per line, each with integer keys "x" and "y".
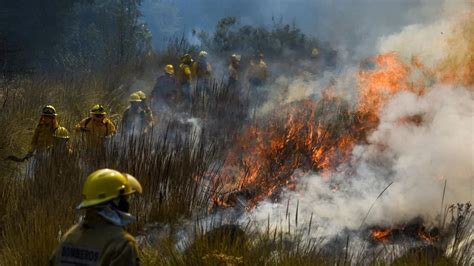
{"x": 37, "y": 204}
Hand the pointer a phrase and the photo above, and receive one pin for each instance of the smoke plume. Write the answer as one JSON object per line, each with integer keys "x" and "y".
{"x": 422, "y": 142}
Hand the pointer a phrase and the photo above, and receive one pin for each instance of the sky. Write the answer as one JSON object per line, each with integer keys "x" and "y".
{"x": 354, "y": 25}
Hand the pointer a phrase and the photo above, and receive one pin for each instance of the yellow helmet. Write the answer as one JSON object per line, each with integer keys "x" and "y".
{"x": 134, "y": 97}
{"x": 106, "y": 184}
{"x": 141, "y": 94}
{"x": 49, "y": 110}
{"x": 169, "y": 69}
{"x": 61, "y": 133}
{"x": 98, "y": 109}
{"x": 314, "y": 52}
{"x": 186, "y": 58}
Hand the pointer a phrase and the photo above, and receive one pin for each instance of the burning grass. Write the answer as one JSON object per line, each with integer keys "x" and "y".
{"x": 177, "y": 167}
{"x": 314, "y": 135}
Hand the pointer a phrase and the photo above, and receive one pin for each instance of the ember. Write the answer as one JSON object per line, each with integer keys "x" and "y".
{"x": 414, "y": 230}
{"x": 381, "y": 234}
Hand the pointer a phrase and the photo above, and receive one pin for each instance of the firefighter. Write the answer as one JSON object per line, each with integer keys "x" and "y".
{"x": 43, "y": 135}
{"x": 146, "y": 108}
{"x": 201, "y": 69}
{"x": 61, "y": 142}
{"x": 314, "y": 53}
{"x": 100, "y": 238}
{"x": 165, "y": 89}
{"x": 96, "y": 128}
{"x": 258, "y": 71}
{"x": 185, "y": 75}
{"x": 234, "y": 70}
{"x": 134, "y": 119}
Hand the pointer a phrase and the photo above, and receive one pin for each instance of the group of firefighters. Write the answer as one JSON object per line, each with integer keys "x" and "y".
{"x": 48, "y": 134}
{"x": 99, "y": 238}
{"x": 177, "y": 84}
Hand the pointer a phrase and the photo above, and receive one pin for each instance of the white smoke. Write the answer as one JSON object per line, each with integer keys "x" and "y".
{"x": 418, "y": 156}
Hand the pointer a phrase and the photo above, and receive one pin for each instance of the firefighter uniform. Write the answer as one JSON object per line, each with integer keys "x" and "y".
{"x": 95, "y": 241}
{"x": 96, "y": 128}
{"x": 100, "y": 238}
{"x": 43, "y": 135}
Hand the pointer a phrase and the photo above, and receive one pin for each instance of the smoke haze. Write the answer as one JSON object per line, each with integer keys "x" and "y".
{"x": 418, "y": 157}
{"x": 351, "y": 25}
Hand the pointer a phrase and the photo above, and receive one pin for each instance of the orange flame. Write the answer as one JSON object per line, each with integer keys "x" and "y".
{"x": 381, "y": 235}
{"x": 378, "y": 85}
{"x": 268, "y": 155}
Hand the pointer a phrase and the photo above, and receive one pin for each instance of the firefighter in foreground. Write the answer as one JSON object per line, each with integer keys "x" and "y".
{"x": 96, "y": 128}
{"x": 165, "y": 89}
{"x": 43, "y": 135}
{"x": 135, "y": 119}
{"x": 99, "y": 238}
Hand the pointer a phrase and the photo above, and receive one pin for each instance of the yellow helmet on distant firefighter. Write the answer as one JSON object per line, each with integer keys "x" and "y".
{"x": 134, "y": 97}
{"x": 61, "y": 133}
{"x": 98, "y": 109}
{"x": 105, "y": 185}
{"x": 186, "y": 58}
{"x": 48, "y": 110}
{"x": 141, "y": 94}
{"x": 314, "y": 52}
{"x": 169, "y": 69}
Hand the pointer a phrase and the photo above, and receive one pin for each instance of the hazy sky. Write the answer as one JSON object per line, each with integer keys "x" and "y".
{"x": 354, "y": 24}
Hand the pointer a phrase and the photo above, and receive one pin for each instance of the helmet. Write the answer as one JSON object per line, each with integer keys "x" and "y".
{"x": 169, "y": 69}
{"x": 314, "y": 52}
{"x": 186, "y": 58}
{"x": 106, "y": 184}
{"x": 202, "y": 54}
{"x": 141, "y": 94}
{"x": 134, "y": 97}
{"x": 49, "y": 110}
{"x": 236, "y": 57}
{"x": 98, "y": 109}
{"x": 61, "y": 133}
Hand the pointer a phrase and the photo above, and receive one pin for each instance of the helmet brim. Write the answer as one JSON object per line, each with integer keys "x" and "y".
{"x": 61, "y": 137}
{"x": 132, "y": 186}
{"x": 135, "y": 186}
{"x": 98, "y": 113}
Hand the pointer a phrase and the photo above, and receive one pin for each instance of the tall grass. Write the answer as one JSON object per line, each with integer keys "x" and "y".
{"x": 174, "y": 165}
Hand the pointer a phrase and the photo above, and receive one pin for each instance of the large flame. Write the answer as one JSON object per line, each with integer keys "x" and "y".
{"x": 311, "y": 137}
{"x": 389, "y": 77}
{"x": 319, "y": 135}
